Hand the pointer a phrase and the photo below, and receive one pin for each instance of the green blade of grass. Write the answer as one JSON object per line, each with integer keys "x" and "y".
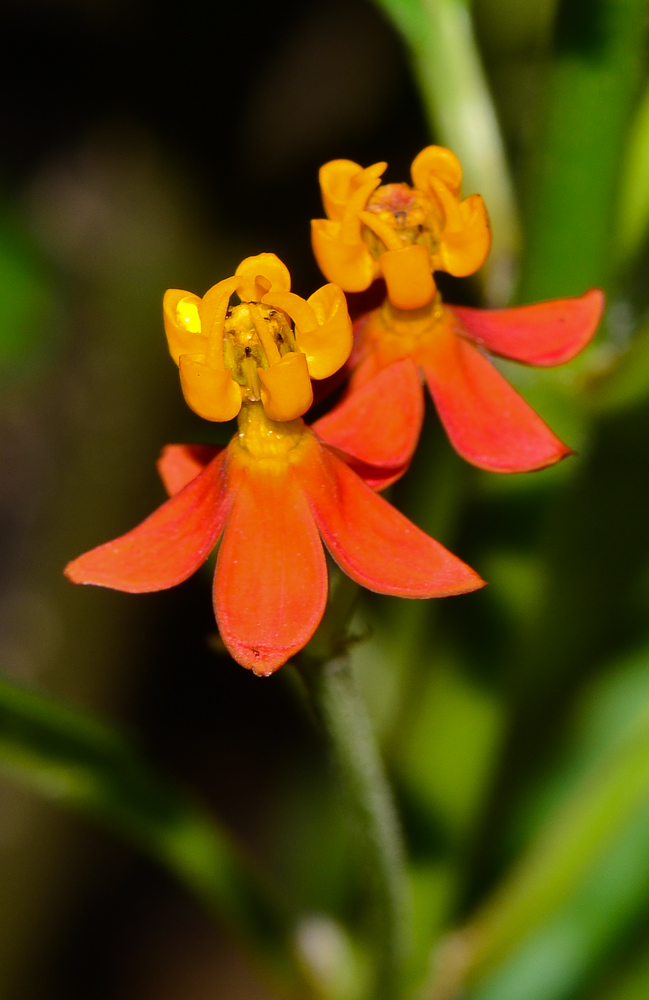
{"x": 598, "y": 55}
{"x": 447, "y": 66}
{"x": 72, "y": 758}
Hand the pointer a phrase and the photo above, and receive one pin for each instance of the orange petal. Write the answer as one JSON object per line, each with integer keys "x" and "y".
{"x": 350, "y": 265}
{"x": 270, "y": 586}
{"x": 545, "y": 334}
{"x": 486, "y": 420}
{"x": 181, "y": 312}
{"x": 328, "y": 345}
{"x": 180, "y": 463}
{"x": 169, "y": 546}
{"x": 372, "y": 542}
{"x": 464, "y": 247}
{"x": 335, "y": 186}
{"x": 210, "y": 392}
{"x": 286, "y": 388}
{"x": 379, "y": 424}
{"x": 263, "y": 265}
{"x": 408, "y": 277}
{"x": 440, "y": 161}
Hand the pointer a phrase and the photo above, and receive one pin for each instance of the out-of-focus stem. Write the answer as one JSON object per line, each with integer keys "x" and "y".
{"x": 447, "y": 65}
{"x": 344, "y": 717}
{"x": 598, "y": 53}
{"x": 633, "y": 207}
{"x": 73, "y": 758}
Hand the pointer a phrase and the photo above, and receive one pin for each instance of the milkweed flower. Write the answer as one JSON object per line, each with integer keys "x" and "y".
{"x": 398, "y": 232}
{"x": 414, "y": 337}
{"x": 276, "y": 492}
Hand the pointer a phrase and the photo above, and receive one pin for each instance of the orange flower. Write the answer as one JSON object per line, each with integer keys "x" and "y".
{"x": 379, "y": 420}
{"x": 402, "y": 234}
{"x": 253, "y": 351}
{"x": 397, "y": 232}
{"x": 270, "y": 496}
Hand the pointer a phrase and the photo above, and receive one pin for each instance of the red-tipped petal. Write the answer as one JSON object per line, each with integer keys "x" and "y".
{"x": 545, "y": 334}
{"x": 166, "y": 548}
{"x": 180, "y": 463}
{"x": 270, "y": 586}
{"x": 379, "y": 424}
{"x": 486, "y": 420}
{"x": 372, "y": 542}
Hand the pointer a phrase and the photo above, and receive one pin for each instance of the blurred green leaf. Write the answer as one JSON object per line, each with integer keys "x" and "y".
{"x": 447, "y": 65}
{"x": 586, "y": 873}
{"x": 633, "y": 982}
{"x": 633, "y": 206}
{"x": 556, "y": 958}
{"x": 26, "y": 297}
{"x": 447, "y": 750}
{"x": 598, "y": 54}
{"x": 71, "y": 757}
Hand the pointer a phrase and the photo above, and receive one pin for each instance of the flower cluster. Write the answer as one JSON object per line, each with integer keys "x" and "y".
{"x": 281, "y": 489}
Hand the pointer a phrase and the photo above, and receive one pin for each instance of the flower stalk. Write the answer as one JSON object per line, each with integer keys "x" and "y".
{"x": 343, "y": 715}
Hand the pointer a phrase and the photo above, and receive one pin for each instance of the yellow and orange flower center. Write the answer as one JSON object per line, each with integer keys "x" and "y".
{"x": 393, "y": 333}
{"x": 267, "y": 348}
{"x": 397, "y": 215}
{"x": 251, "y": 332}
{"x": 272, "y": 445}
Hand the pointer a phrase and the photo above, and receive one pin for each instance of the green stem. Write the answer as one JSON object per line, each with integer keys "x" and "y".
{"x": 73, "y": 758}
{"x": 599, "y": 49}
{"x": 447, "y": 65}
{"x": 341, "y": 709}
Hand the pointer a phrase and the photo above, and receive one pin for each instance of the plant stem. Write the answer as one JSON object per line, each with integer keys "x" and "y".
{"x": 76, "y": 759}
{"x": 341, "y": 709}
{"x": 596, "y": 70}
{"x": 447, "y": 65}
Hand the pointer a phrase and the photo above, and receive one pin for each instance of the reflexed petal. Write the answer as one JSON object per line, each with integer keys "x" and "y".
{"x": 440, "y": 161}
{"x": 328, "y": 345}
{"x": 408, "y": 277}
{"x": 377, "y": 477}
{"x": 169, "y": 546}
{"x": 181, "y": 313}
{"x": 464, "y": 246}
{"x": 486, "y": 420}
{"x": 335, "y": 186}
{"x": 270, "y": 587}
{"x": 180, "y": 463}
{"x": 286, "y": 388}
{"x": 372, "y": 542}
{"x": 350, "y": 265}
{"x": 545, "y": 334}
{"x": 263, "y": 265}
{"x": 210, "y": 392}
{"x": 379, "y": 424}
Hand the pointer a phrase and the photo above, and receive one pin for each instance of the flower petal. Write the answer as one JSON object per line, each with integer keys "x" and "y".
{"x": 486, "y": 420}
{"x": 286, "y": 388}
{"x": 270, "y": 586}
{"x": 169, "y": 546}
{"x": 408, "y": 277}
{"x": 180, "y": 463}
{"x": 372, "y": 542}
{"x": 349, "y": 265}
{"x": 545, "y": 334}
{"x": 210, "y": 392}
{"x": 440, "y": 161}
{"x": 379, "y": 424}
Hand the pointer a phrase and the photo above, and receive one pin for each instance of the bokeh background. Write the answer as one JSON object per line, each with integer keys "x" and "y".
{"x": 153, "y": 145}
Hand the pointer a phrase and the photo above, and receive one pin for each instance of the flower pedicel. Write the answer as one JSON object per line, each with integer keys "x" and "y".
{"x": 403, "y": 234}
{"x": 277, "y": 489}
